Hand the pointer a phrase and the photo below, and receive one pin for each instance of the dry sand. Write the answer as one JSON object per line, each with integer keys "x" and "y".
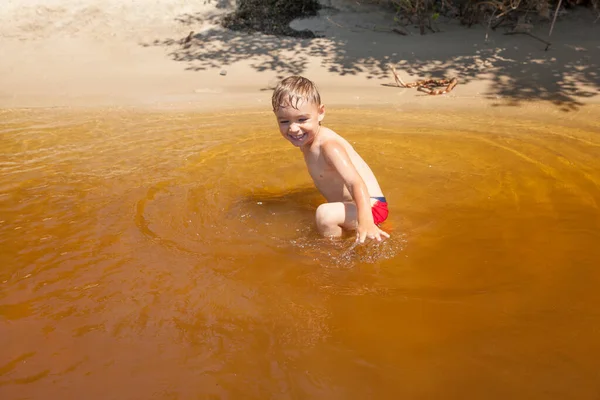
{"x": 127, "y": 53}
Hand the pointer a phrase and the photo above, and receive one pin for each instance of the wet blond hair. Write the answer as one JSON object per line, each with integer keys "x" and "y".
{"x": 294, "y": 89}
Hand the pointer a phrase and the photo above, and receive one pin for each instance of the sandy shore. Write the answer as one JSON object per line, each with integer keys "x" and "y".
{"x": 121, "y": 53}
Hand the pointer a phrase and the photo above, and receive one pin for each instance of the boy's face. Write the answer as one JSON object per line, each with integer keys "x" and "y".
{"x": 300, "y": 125}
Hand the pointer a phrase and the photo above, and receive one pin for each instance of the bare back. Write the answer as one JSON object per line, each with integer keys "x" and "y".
{"x": 327, "y": 180}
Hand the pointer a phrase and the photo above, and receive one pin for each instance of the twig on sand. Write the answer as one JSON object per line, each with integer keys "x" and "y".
{"x": 333, "y": 22}
{"x": 548, "y": 44}
{"x": 400, "y": 31}
{"x": 426, "y": 85}
{"x": 489, "y": 26}
{"x": 554, "y": 19}
{"x": 397, "y": 78}
{"x": 427, "y": 88}
{"x": 187, "y": 41}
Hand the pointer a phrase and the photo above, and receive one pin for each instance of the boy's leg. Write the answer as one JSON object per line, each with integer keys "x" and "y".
{"x": 331, "y": 218}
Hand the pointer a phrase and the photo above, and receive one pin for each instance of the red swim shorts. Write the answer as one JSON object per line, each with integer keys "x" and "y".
{"x": 380, "y": 211}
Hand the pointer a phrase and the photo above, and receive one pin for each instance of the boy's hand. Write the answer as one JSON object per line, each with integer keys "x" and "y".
{"x": 372, "y": 231}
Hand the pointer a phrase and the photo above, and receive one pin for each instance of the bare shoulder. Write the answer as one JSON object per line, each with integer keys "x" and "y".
{"x": 334, "y": 148}
{"x": 330, "y": 140}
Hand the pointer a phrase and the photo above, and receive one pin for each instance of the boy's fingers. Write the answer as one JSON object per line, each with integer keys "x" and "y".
{"x": 379, "y": 236}
{"x": 362, "y": 237}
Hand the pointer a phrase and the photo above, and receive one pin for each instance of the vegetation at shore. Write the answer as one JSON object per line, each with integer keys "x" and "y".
{"x": 516, "y": 14}
{"x": 271, "y": 16}
{"x": 274, "y": 16}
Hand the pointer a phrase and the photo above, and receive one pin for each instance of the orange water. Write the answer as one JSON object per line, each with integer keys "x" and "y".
{"x": 167, "y": 255}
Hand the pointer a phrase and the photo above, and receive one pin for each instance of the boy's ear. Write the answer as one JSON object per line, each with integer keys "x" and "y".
{"x": 321, "y": 112}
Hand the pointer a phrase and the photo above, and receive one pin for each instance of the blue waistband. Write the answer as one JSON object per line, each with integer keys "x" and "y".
{"x": 381, "y": 199}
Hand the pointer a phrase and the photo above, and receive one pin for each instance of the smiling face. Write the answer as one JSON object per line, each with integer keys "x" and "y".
{"x": 300, "y": 125}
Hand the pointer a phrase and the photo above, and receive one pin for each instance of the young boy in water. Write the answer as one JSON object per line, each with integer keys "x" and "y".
{"x": 354, "y": 199}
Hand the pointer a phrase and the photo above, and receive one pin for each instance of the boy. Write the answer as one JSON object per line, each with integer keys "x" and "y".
{"x": 355, "y": 200}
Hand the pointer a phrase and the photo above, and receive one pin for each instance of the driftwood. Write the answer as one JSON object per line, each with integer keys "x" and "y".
{"x": 427, "y": 85}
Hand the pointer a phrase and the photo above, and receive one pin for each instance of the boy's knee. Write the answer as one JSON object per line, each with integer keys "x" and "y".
{"x": 324, "y": 217}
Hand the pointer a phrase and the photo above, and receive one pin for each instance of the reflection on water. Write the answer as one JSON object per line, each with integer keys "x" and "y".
{"x": 165, "y": 255}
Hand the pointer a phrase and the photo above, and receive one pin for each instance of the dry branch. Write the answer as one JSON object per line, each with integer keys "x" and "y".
{"x": 426, "y": 85}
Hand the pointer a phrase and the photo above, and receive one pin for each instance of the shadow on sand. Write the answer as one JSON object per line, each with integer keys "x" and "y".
{"x": 518, "y": 66}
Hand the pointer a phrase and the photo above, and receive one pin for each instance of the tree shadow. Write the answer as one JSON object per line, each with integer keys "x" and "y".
{"x": 519, "y": 72}
{"x": 519, "y": 68}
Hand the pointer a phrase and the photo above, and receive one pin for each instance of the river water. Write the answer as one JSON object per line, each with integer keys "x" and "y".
{"x": 172, "y": 255}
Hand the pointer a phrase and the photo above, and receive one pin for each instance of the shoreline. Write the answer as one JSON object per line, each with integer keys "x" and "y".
{"x": 404, "y": 116}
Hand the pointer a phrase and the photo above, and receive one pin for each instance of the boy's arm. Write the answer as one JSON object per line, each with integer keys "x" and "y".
{"x": 338, "y": 158}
